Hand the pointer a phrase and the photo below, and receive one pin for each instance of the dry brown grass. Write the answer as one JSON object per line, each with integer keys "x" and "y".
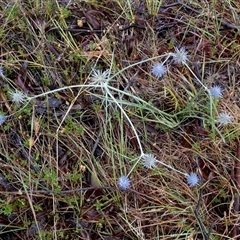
{"x": 61, "y": 155}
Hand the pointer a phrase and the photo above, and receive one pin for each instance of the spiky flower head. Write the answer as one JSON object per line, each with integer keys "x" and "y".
{"x": 18, "y": 97}
{"x": 123, "y": 182}
{"x": 2, "y": 119}
{"x": 215, "y": 91}
{"x": 180, "y": 56}
{"x": 149, "y": 160}
{"x": 100, "y": 77}
{"x": 224, "y": 118}
{"x": 1, "y": 71}
{"x": 158, "y": 69}
{"x": 192, "y": 179}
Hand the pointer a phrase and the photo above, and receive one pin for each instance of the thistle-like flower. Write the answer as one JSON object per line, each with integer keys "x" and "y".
{"x": 192, "y": 179}
{"x": 1, "y": 71}
{"x": 100, "y": 77}
{"x": 215, "y": 91}
{"x": 158, "y": 69}
{"x": 149, "y": 160}
{"x": 2, "y": 119}
{"x": 18, "y": 97}
{"x": 123, "y": 182}
{"x": 224, "y": 118}
{"x": 180, "y": 56}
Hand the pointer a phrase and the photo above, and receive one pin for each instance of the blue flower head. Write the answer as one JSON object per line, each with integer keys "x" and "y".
{"x": 215, "y": 91}
{"x": 123, "y": 182}
{"x": 158, "y": 69}
{"x": 192, "y": 179}
{"x": 2, "y": 119}
{"x": 1, "y": 71}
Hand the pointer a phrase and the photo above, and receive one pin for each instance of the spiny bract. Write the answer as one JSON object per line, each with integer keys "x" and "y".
{"x": 180, "y": 56}
{"x": 18, "y": 97}
{"x": 224, "y": 118}
{"x": 149, "y": 160}
{"x": 100, "y": 77}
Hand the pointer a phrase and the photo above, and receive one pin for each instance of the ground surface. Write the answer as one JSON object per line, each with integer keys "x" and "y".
{"x": 75, "y": 130}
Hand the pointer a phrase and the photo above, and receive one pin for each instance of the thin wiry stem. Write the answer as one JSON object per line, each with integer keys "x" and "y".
{"x": 199, "y": 81}
{"x": 128, "y": 119}
{"x": 172, "y": 168}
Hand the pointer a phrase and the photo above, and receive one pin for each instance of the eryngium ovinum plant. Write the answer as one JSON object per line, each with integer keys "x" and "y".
{"x": 102, "y": 80}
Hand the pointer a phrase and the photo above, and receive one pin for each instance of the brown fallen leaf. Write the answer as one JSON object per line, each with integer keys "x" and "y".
{"x": 92, "y": 18}
{"x": 23, "y": 85}
{"x": 36, "y": 127}
{"x": 94, "y": 54}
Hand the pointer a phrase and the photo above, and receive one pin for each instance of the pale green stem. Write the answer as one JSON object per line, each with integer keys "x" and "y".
{"x": 143, "y": 61}
{"x": 199, "y": 81}
{"x": 128, "y": 119}
{"x": 162, "y": 163}
{"x": 172, "y": 168}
